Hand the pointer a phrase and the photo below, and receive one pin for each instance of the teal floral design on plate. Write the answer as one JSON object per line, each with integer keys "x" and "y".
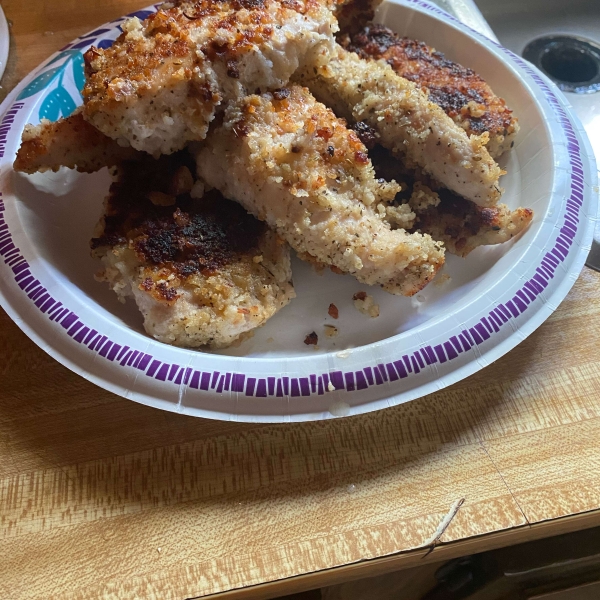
{"x": 59, "y": 102}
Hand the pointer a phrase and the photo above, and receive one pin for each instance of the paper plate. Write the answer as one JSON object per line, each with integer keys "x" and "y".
{"x": 491, "y": 301}
{"x": 4, "y": 42}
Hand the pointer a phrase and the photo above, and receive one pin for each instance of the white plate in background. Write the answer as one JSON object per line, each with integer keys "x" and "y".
{"x": 4, "y": 42}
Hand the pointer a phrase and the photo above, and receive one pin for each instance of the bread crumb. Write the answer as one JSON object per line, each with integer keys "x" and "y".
{"x": 312, "y": 339}
{"x": 331, "y": 331}
{"x": 257, "y": 259}
{"x": 333, "y": 311}
{"x": 417, "y": 301}
{"x": 366, "y": 304}
{"x": 330, "y": 386}
{"x": 476, "y": 110}
{"x": 423, "y": 197}
{"x": 400, "y": 216}
{"x": 442, "y": 279}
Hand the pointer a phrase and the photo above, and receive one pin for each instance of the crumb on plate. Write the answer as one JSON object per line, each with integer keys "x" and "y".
{"x": 366, "y": 304}
{"x": 331, "y": 331}
{"x": 442, "y": 279}
{"x": 312, "y": 339}
{"x": 333, "y": 311}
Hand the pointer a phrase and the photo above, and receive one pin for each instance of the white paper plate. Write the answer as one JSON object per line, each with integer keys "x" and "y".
{"x": 4, "y": 42}
{"x": 494, "y": 299}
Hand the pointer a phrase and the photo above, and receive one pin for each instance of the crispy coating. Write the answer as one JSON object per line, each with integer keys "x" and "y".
{"x": 462, "y": 93}
{"x": 202, "y": 271}
{"x": 464, "y": 226}
{"x": 353, "y": 14}
{"x": 70, "y": 142}
{"x": 159, "y": 85}
{"x": 461, "y": 225}
{"x": 287, "y": 159}
{"x": 414, "y": 128}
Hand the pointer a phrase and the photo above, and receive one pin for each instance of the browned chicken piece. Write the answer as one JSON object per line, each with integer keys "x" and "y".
{"x": 159, "y": 85}
{"x": 464, "y": 226}
{"x": 415, "y": 129}
{"x": 425, "y": 206}
{"x": 287, "y": 159}
{"x": 351, "y": 15}
{"x": 462, "y": 93}
{"x": 202, "y": 271}
{"x": 70, "y": 142}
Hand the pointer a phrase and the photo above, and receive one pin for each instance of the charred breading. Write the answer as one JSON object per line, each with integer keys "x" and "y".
{"x": 201, "y": 270}
{"x": 287, "y": 159}
{"x": 159, "y": 85}
{"x": 425, "y": 206}
{"x": 462, "y": 93}
{"x": 70, "y": 142}
{"x": 351, "y": 15}
{"x": 463, "y": 226}
{"x": 415, "y": 129}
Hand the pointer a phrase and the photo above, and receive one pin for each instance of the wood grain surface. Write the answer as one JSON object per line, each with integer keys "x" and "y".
{"x": 104, "y": 498}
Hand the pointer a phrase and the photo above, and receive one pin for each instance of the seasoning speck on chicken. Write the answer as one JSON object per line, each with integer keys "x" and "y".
{"x": 158, "y": 86}
{"x": 321, "y": 203}
{"x": 459, "y": 91}
{"x": 189, "y": 265}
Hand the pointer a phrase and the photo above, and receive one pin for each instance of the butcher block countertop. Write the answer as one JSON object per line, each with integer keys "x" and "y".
{"x": 103, "y": 498}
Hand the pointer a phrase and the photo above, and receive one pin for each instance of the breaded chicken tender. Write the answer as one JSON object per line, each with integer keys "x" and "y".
{"x": 460, "y": 92}
{"x": 159, "y": 85}
{"x": 425, "y": 206}
{"x": 70, "y": 142}
{"x": 288, "y": 160}
{"x": 202, "y": 271}
{"x": 408, "y": 123}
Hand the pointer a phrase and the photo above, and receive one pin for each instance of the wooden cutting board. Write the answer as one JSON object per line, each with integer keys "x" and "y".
{"x": 103, "y": 498}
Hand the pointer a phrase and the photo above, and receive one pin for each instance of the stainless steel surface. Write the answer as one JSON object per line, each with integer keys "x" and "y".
{"x": 467, "y": 12}
{"x": 571, "y": 61}
{"x": 518, "y": 22}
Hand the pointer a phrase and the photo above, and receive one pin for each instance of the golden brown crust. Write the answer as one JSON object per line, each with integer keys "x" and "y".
{"x": 407, "y": 122}
{"x": 461, "y": 92}
{"x": 70, "y": 142}
{"x": 159, "y": 85}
